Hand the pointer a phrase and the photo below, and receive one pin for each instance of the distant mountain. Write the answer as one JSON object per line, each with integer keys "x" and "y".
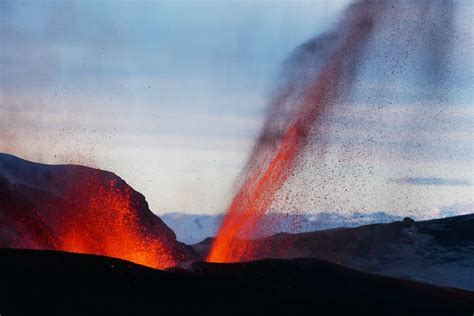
{"x": 80, "y": 209}
{"x": 193, "y": 228}
{"x": 437, "y": 251}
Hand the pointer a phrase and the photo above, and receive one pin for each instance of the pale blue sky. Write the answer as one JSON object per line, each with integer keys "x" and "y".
{"x": 171, "y": 94}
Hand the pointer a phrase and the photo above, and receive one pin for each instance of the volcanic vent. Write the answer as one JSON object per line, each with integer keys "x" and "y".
{"x": 287, "y": 131}
{"x": 80, "y": 209}
{"x": 317, "y": 120}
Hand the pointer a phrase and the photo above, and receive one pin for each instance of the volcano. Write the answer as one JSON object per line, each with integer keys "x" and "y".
{"x": 349, "y": 129}
{"x": 87, "y": 216}
{"x": 322, "y": 145}
{"x": 80, "y": 209}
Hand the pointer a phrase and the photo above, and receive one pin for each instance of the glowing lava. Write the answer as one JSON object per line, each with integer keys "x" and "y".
{"x": 107, "y": 224}
{"x": 243, "y": 220}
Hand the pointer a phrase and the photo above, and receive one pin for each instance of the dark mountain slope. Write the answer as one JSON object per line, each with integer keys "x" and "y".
{"x": 437, "y": 251}
{"x": 57, "y": 283}
{"x": 81, "y": 209}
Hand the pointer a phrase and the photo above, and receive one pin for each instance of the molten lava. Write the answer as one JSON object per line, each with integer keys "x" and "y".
{"x": 81, "y": 209}
{"x": 243, "y": 220}
{"x": 106, "y": 224}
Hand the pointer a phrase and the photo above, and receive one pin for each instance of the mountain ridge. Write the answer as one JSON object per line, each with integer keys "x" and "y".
{"x": 438, "y": 251}
{"x": 81, "y": 209}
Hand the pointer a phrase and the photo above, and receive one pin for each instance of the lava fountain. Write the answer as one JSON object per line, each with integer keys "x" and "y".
{"x": 108, "y": 224}
{"x": 245, "y": 215}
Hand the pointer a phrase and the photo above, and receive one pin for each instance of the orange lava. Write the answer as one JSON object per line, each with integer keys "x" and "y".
{"x": 105, "y": 223}
{"x": 233, "y": 242}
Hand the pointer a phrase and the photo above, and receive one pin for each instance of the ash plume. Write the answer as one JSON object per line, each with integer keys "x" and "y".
{"x": 317, "y": 78}
{"x": 317, "y": 75}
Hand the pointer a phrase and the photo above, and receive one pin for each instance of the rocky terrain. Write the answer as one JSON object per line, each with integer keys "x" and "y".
{"x": 437, "y": 251}
{"x": 58, "y": 212}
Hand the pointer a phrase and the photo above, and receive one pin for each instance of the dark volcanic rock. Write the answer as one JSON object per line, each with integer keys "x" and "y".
{"x": 81, "y": 209}
{"x": 57, "y": 283}
{"x": 21, "y": 226}
{"x": 436, "y": 251}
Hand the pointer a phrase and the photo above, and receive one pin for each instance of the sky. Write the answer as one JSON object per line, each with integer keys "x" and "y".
{"x": 170, "y": 95}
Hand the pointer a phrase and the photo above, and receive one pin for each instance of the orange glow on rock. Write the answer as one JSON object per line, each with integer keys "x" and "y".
{"x": 106, "y": 224}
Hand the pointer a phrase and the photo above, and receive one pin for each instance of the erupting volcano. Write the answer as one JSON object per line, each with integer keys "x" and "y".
{"x": 243, "y": 221}
{"x": 389, "y": 40}
{"x": 356, "y": 197}
{"x": 108, "y": 224}
{"x": 82, "y": 210}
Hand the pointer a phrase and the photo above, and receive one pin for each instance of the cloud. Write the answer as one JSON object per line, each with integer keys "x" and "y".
{"x": 431, "y": 181}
